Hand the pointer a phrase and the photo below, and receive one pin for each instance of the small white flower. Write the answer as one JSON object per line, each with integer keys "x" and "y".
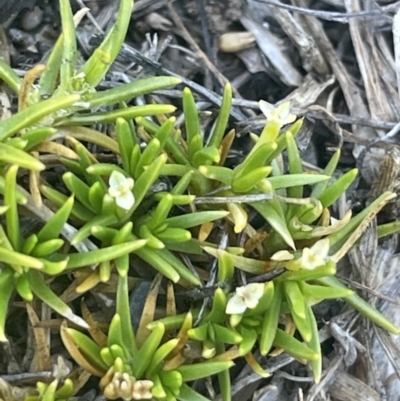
{"x": 316, "y": 255}
{"x": 121, "y": 189}
{"x": 280, "y": 114}
{"x": 247, "y": 296}
{"x": 142, "y": 390}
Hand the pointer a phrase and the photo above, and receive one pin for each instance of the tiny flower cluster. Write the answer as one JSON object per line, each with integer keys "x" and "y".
{"x": 124, "y": 386}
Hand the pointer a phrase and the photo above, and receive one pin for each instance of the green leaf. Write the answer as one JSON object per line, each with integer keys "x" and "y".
{"x": 114, "y": 336}
{"x": 147, "y": 179}
{"x": 49, "y": 77}
{"x": 186, "y": 393}
{"x": 387, "y": 229}
{"x": 78, "y": 211}
{"x": 78, "y": 188}
{"x": 271, "y": 320}
{"x": 226, "y": 335}
{"x": 21, "y": 199}
{"x": 147, "y": 351}
{"x": 297, "y": 306}
{"x": 125, "y": 139}
{"x": 9, "y": 76}
{"x": 217, "y": 173}
{"x": 255, "y": 159}
{"x": 154, "y": 259}
{"x": 29, "y": 243}
{"x": 11, "y": 155}
{"x": 337, "y": 239}
{"x": 314, "y": 344}
{"x": 43, "y": 292}
{"x": 293, "y": 180}
{"x": 174, "y": 235}
{"x": 151, "y": 151}
{"x": 295, "y": 166}
{"x": 269, "y": 213}
{"x": 162, "y": 352}
{"x": 86, "y": 230}
{"x": 249, "y": 336}
{"x": 173, "y": 148}
{"x": 54, "y": 268}
{"x": 111, "y": 116}
{"x": 249, "y": 265}
{"x": 100, "y": 61}
{"x": 334, "y": 191}
{"x": 46, "y": 248}
{"x": 123, "y": 310}
{"x": 69, "y": 53}
{"x": 195, "y": 145}
{"x": 362, "y": 306}
{"x": 217, "y": 313}
{"x": 163, "y": 134}
{"x": 131, "y": 90}
{"x": 252, "y": 179}
{"x": 101, "y": 255}
{"x": 89, "y": 349}
{"x": 223, "y": 117}
{"x": 294, "y": 347}
{"x": 22, "y": 286}
{"x": 199, "y": 333}
{"x": 327, "y": 270}
{"x": 178, "y": 266}
{"x": 12, "y": 214}
{"x": 203, "y": 369}
{"x": 209, "y": 154}
{"x": 6, "y": 290}
{"x": 319, "y": 292}
{"x": 161, "y": 212}
{"x": 192, "y": 122}
{"x": 12, "y": 257}
{"x": 33, "y": 114}
{"x": 55, "y": 224}
{"x": 329, "y": 170}
{"x": 182, "y": 185}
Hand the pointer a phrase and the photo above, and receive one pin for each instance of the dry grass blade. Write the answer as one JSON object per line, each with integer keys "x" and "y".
{"x": 148, "y": 310}
{"x": 352, "y": 94}
{"x": 370, "y": 64}
{"x": 41, "y": 358}
{"x": 305, "y": 43}
{"x": 272, "y": 49}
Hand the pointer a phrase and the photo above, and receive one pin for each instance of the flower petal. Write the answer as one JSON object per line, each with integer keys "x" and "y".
{"x": 116, "y": 179}
{"x": 310, "y": 260}
{"x": 129, "y": 183}
{"x": 125, "y": 201}
{"x": 115, "y": 192}
{"x": 266, "y": 108}
{"x": 235, "y": 306}
{"x": 252, "y": 294}
{"x": 321, "y": 248}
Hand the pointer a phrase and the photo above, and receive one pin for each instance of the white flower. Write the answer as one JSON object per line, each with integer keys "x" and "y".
{"x": 280, "y": 114}
{"x": 245, "y": 297}
{"x": 141, "y": 390}
{"x": 316, "y": 255}
{"x": 121, "y": 189}
{"x": 121, "y": 386}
